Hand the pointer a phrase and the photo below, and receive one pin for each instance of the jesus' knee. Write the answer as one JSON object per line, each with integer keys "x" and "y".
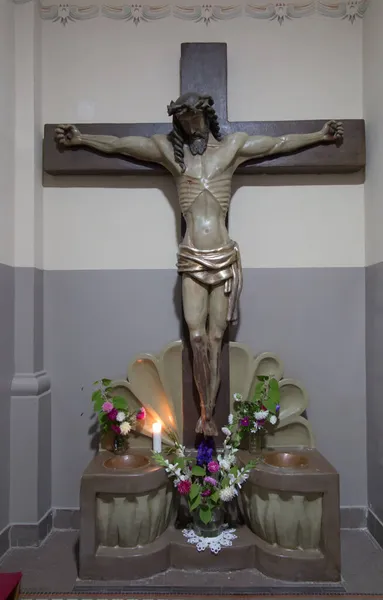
{"x": 198, "y": 337}
{"x": 216, "y": 336}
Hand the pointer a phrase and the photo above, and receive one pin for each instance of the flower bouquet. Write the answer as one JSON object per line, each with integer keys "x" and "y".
{"x": 254, "y": 416}
{"x": 114, "y": 414}
{"x": 206, "y": 481}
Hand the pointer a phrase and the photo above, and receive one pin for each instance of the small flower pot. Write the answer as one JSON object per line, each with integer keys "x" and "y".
{"x": 121, "y": 444}
{"x": 211, "y": 529}
{"x": 256, "y": 442}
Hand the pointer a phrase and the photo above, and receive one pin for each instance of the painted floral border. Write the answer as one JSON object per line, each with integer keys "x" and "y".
{"x": 279, "y": 12}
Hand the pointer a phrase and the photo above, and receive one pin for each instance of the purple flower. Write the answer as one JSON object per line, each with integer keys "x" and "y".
{"x": 116, "y": 429}
{"x": 184, "y": 487}
{"x": 113, "y": 414}
{"x": 205, "y": 451}
{"x": 141, "y": 415}
{"x": 206, "y": 493}
{"x": 261, "y": 422}
{"x": 210, "y": 480}
{"x": 277, "y": 408}
{"x": 245, "y": 422}
{"x": 213, "y": 466}
{"x": 107, "y": 407}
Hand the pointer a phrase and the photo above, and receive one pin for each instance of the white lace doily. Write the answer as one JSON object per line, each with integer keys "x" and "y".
{"x": 215, "y": 544}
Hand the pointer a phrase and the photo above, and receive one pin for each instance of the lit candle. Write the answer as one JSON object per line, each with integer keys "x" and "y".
{"x": 156, "y": 437}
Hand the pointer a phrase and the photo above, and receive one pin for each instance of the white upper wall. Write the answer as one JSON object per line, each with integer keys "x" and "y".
{"x": 110, "y": 70}
{"x": 373, "y": 110}
{"x": 28, "y": 197}
{"x": 7, "y": 124}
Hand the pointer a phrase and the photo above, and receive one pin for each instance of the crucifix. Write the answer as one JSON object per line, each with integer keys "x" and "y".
{"x": 202, "y": 150}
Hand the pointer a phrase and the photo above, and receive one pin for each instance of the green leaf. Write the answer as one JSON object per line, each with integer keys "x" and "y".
{"x": 119, "y": 402}
{"x": 180, "y": 461}
{"x": 97, "y": 400}
{"x": 106, "y": 382}
{"x": 159, "y": 459}
{"x": 263, "y": 377}
{"x": 194, "y": 490}
{"x": 234, "y": 470}
{"x": 258, "y": 390}
{"x": 205, "y": 514}
{"x": 215, "y": 497}
{"x": 274, "y": 385}
{"x": 96, "y": 382}
{"x": 269, "y": 404}
{"x": 96, "y": 394}
{"x": 195, "y": 503}
{"x": 199, "y": 471}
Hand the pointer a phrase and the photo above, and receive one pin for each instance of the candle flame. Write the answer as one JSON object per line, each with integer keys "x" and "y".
{"x": 156, "y": 427}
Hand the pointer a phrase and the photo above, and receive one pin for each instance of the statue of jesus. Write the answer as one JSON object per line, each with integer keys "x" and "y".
{"x": 202, "y": 163}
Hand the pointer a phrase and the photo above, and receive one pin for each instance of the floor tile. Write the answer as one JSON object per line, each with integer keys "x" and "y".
{"x": 53, "y": 568}
{"x": 362, "y": 562}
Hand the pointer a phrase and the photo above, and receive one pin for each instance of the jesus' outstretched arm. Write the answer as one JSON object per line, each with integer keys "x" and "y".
{"x": 142, "y": 148}
{"x": 261, "y": 146}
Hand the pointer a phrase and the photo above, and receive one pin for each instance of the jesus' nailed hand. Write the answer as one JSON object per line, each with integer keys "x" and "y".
{"x": 203, "y": 162}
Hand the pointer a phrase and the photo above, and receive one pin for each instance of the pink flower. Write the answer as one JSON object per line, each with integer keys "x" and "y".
{"x": 116, "y": 429}
{"x": 210, "y": 480}
{"x": 113, "y": 414}
{"x": 206, "y": 493}
{"x": 107, "y": 407}
{"x": 141, "y": 415}
{"x": 245, "y": 422}
{"x": 213, "y": 466}
{"x": 184, "y": 487}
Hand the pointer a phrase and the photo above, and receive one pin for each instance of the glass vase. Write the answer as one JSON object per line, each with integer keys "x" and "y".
{"x": 121, "y": 444}
{"x": 211, "y": 529}
{"x": 256, "y": 442}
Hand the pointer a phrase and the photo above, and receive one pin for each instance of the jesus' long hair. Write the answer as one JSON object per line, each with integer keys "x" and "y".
{"x": 177, "y": 137}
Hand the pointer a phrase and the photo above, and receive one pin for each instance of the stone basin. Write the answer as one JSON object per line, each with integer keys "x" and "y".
{"x": 127, "y": 462}
{"x": 286, "y": 460}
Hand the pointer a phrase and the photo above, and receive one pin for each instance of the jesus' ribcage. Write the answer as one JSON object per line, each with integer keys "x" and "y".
{"x": 189, "y": 189}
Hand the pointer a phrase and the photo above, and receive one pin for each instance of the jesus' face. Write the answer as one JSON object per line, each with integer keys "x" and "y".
{"x": 195, "y": 125}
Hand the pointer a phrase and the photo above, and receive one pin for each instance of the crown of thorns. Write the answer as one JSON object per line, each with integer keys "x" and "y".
{"x": 181, "y": 106}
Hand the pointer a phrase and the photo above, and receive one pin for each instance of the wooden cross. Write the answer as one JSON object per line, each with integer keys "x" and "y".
{"x": 203, "y": 69}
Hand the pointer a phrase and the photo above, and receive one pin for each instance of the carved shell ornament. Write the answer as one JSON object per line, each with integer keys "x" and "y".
{"x": 155, "y": 381}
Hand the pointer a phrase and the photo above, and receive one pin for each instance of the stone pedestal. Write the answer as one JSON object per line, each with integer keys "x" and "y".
{"x": 124, "y": 513}
{"x": 291, "y": 504}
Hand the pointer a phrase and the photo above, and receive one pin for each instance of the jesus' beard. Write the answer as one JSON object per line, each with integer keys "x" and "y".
{"x": 198, "y": 144}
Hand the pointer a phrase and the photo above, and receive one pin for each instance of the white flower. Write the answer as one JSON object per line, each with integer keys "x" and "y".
{"x": 224, "y": 464}
{"x": 226, "y": 431}
{"x": 230, "y": 419}
{"x": 180, "y": 451}
{"x": 232, "y": 479}
{"x": 125, "y": 428}
{"x": 261, "y": 415}
{"x": 228, "y": 493}
{"x": 241, "y": 477}
{"x": 120, "y": 416}
{"x": 273, "y": 419}
{"x": 170, "y": 468}
{"x": 238, "y": 397}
